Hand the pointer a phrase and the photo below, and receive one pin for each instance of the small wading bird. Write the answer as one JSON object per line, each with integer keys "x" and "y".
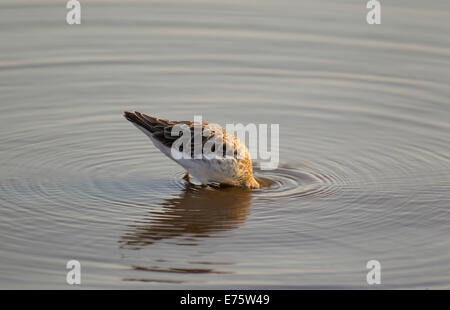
{"x": 217, "y": 166}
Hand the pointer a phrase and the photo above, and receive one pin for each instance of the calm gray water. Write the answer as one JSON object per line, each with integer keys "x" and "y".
{"x": 364, "y": 118}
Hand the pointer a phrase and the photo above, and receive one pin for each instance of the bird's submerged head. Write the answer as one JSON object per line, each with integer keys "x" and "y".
{"x": 251, "y": 183}
{"x": 247, "y": 180}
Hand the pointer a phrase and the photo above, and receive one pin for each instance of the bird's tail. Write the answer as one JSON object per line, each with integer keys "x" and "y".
{"x": 151, "y": 124}
{"x": 156, "y": 128}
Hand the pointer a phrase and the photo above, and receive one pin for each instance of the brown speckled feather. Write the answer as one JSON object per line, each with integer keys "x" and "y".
{"x": 162, "y": 129}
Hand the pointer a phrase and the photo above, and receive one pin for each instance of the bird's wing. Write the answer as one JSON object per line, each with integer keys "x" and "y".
{"x": 161, "y": 130}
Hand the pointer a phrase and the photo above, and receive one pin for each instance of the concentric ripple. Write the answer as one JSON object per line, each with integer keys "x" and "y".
{"x": 292, "y": 183}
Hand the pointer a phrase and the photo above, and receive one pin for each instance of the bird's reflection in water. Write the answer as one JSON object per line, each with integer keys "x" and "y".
{"x": 198, "y": 212}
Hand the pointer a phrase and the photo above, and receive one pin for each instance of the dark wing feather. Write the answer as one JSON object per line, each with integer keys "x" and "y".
{"x": 161, "y": 129}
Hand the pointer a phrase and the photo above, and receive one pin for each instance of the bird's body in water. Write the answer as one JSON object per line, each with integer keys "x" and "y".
{"x": 218, "y": 166}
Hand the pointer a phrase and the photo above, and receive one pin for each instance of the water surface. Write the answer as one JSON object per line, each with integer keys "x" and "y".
{"x": 364, "y": 144}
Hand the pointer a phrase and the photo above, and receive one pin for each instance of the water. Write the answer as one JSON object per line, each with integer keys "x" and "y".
{"x": 364, "y": 144}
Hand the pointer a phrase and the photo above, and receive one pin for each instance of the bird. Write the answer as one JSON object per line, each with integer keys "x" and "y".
{"x": 223, "y": 158}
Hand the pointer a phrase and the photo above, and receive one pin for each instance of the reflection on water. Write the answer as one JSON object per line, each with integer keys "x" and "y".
{"x": 198, "y": 212}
